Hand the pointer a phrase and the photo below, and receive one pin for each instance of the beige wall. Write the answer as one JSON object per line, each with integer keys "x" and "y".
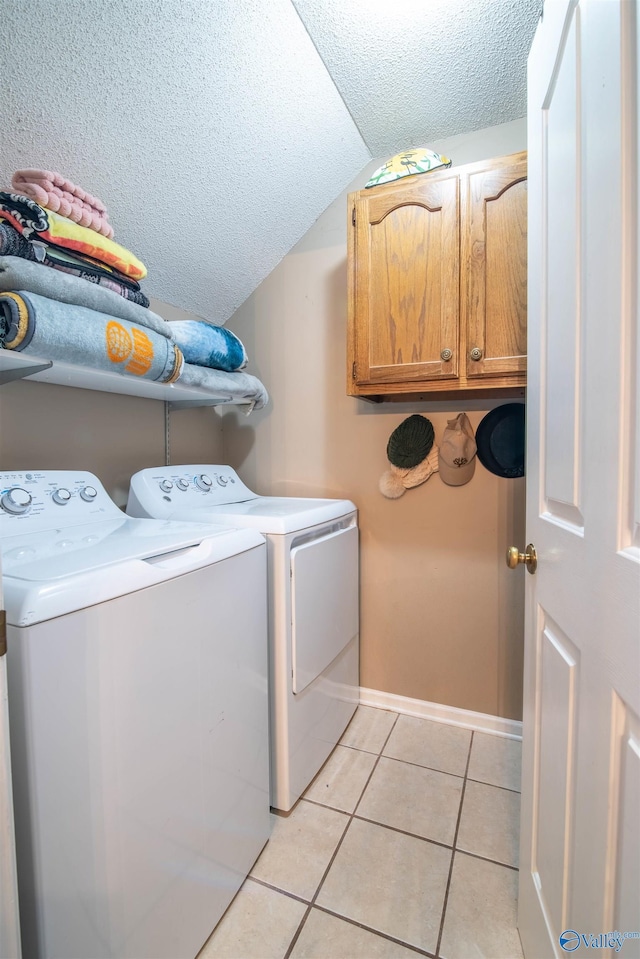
{"x": 441, "y": 616}
{"x": 57, "y": 427}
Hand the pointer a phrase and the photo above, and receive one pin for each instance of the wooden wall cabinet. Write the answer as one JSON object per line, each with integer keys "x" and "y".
{"x": 437, "y": 274}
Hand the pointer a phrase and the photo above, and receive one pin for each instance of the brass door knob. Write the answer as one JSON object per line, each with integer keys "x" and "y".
{"x": 529, "y": 557}
{"x": 446, "y": 355}
{"x": 476, "y": 354}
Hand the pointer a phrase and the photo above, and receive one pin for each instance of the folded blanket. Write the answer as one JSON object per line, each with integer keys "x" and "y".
{"x": 54, "y": 192}
{"x": 20, "y": 274}
{"x": 34, "y": 222}
{"x": 207, "y": 345}
{"x": 13, "y": 243}
{"x": 73, "y": 334}
{"x": 107, "y": 282}
{"x": 230, "y": 387}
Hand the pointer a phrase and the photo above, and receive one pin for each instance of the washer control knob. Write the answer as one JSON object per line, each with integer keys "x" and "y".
{"x": 204, "y": 482}
{"x": 61, "y": 496}
{"x": 166, "y": 486}
{"x": 223, "y": 480}
{"x": 182, "y": 484}
{"x": 88, "y": 494}
{"x": 16, "y": 500}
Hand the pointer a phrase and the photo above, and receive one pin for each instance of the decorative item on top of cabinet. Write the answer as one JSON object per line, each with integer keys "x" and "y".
{"x": 437, "y": 273}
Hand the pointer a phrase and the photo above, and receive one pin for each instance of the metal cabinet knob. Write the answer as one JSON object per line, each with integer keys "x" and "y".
{"x": 529, "y": 557}
{"x": 476, "y": 353}
{"x": 446, "y": 355}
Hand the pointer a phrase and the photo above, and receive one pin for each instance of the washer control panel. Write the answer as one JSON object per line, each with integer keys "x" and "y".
{"x": 31, "y": 500}
{"x": 165, "y": 489}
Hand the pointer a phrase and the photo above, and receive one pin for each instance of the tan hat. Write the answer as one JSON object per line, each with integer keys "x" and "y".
{"x": 457, "y": 457}
{"x": 396, "y": 480}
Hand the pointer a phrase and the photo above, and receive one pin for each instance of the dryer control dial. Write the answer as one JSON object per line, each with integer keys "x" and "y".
{"x": 182, "y": 484}
{"x": 204, "y": 482}
{"x": 16, "y": 500}
{"x": 223, "y": 480}
{"x": 166, "y": 485}
{"x": 88, "y": 494}
{"x": 61, "y": 496}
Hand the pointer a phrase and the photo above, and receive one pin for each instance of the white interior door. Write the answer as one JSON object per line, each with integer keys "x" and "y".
{"x": 9, "y": 921}
{"x": 579, "y": 870}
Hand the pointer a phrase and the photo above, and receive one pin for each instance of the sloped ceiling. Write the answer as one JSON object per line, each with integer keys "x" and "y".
{"x": 217, "y": 131}
{"x": 415, "y": 71}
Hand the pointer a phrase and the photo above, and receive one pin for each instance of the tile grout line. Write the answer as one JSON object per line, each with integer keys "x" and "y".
{"x": 376, "y": 932}
{"x": 284, "y": 892}
{"x": 435, "y": 769}
{"x": 483, "y": 782}
{"x": 453, "y": 850}
{"x": 411, "y": 835}
{"x": 298, "y": 931}
{"x": 494, "y": 862}
{"x": 384, "y": 825}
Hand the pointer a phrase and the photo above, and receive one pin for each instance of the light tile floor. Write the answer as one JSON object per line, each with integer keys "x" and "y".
{"x": 405, "y": 844}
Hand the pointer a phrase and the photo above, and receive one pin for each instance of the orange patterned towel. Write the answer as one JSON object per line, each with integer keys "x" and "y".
{"x": 60, "y": 195}
{"x": 35, "y": 222}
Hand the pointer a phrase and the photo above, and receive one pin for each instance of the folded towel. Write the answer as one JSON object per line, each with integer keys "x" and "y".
{"x": 20, "y": 274}
{"x": 54, "y": 192}
{"x": 136, "y": 297}
{"x": 73, "y": 334}
{"x": 229, "y": 387}
{"x": 12, "y": 243}
{"x": 35, "y": 222}
{"x": 207, "y": 345}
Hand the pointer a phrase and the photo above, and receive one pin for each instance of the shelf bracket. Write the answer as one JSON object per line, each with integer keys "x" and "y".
{"x": 19, "y": 373}
{"x": 191, "y": 404}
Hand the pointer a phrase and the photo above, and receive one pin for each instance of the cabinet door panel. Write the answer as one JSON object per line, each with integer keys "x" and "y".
{"x": 496, "y": 247}
{"x": 407, "y": 283}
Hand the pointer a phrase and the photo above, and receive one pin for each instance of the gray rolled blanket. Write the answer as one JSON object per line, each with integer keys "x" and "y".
{"x": 19, "y": 274}
{"x": 53, "y": 330}
{"x": 230, "y": 387}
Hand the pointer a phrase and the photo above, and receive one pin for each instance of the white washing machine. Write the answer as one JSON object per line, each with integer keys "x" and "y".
{"x": 137, "y": 674}
{"x": 312, "y": 549}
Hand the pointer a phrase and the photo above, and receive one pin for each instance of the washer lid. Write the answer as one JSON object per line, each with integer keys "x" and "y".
{"x": 55, "y": 572}
{"x": 272, "y": 514}
{"x": 55, "y": 554}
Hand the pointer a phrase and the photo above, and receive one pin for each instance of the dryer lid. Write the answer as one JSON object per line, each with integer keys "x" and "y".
{"x": 273, "y": 514}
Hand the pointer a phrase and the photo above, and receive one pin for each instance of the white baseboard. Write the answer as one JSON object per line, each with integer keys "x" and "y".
{"x": 482, "y": 722}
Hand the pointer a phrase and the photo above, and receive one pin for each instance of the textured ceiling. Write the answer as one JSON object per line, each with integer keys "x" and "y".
{"x": 415, "y": 71}
{"x": 214, "y": 131}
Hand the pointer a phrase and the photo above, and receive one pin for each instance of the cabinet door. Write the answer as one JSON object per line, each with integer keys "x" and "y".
{"x": 495, "y": 244}
{"x": 406, "y": 267}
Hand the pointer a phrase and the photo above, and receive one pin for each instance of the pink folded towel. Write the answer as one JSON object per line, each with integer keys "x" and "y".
{"x": 52, "y": 191}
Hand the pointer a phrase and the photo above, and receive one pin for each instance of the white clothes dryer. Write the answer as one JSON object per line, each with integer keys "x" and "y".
{"x": 312, "y": 548}
{"x": 137, "y": 677}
